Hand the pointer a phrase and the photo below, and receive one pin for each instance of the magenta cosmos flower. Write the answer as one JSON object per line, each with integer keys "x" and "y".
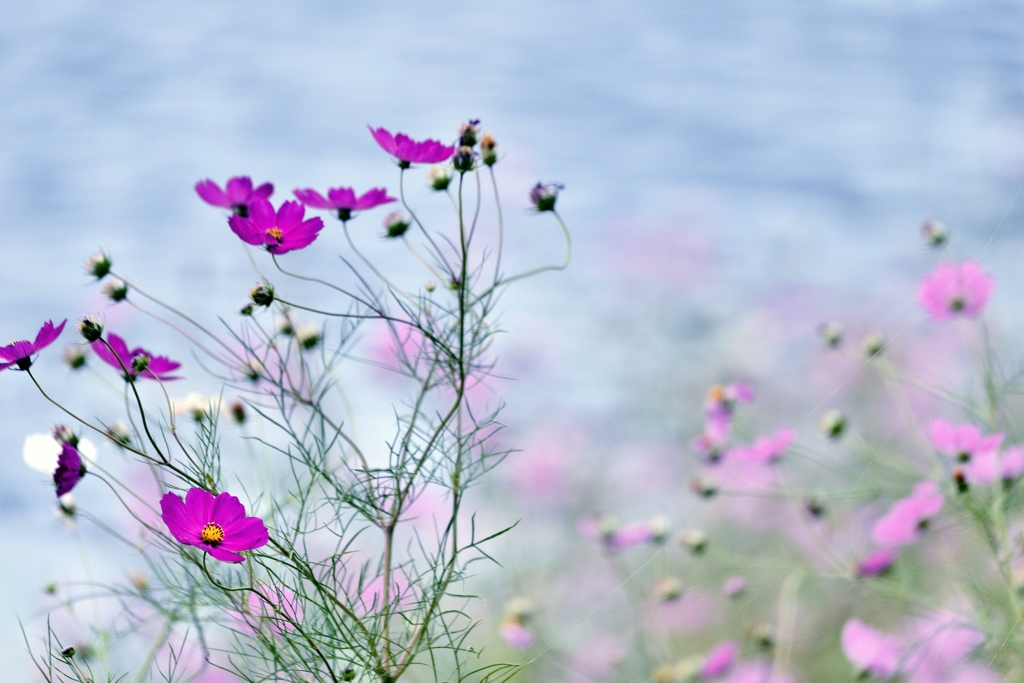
{"x": 134, "y": 363}
{"x": 409, "y": 151}
{"x": 955, "y": 289}
{"x": 872, "y": 652}
{"x": 344, "y": 200}
{"x": 236, "y": 195}
{"x": 878, "y": 562}
{"x": 20, "y": 352}
{"x": 767, "y": 449}
{"x": 279, "y": 231}
{"x": 217, "y": 526}
{"x": 69, "y": 469}
{"x": 719, "y": 660}
{"x": 903, "y": 524}
{"x": 962, "y": 442}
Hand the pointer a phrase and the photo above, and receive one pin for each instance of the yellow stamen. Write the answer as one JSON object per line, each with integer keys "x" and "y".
{"x": 276, "y": 233}
{"x": 212, "y": 534}
{"x": 716, "y": 392}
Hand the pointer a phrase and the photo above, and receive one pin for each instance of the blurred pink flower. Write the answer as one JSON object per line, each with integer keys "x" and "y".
{"x": 878, "y": 562}
{"x": 963, "y": 441}
{"x": 871, "y": 651}
{"x": 615, "y": 537}
{"x": 517, "y": 636}
{"x": 712, "y": 441}
{"x": 757, "y": 671}
{"x": 719, "y": 660}
{"x": 722, "y": 399}
{"x": 597, "y": 656}
{"x": 987, "y": 467}
{"x": 733, "y": 586}
{"x": 955, "y": 289}
{"x": 906, "y": 518}
{"x": 693, "y": 611}
{"x": 767, "y": 449}
{"x": 942, "y": 646}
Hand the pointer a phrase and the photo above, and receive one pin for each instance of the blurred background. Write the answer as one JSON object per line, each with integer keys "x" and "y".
{"x": 735, "y": 173}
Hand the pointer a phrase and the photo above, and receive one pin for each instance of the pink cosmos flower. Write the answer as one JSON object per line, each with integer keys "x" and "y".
{"x": 217, "y": 526}
{"x": 517, "y": 636}
{"x": 941, "y": 654}
{"x": 408, "y": 151}
{"x": 767, "y": 449}
{"x": 236, "y": 195}
{"x": 963, "y": 441}
{"x": 719, "y": 660}
{"x": 134, "y": 363}
{"x": 871, "y": 651}
{"x": 711, "y": 443}
{"x": 955, "y": 289}
{"x": 69, "y": 469}
{"x": 614, "y": 537}
{"x": 989, "y": 466}
{"x": 344, "y": 200}
{"x": 878, "y": 562}
{"x": 724, "y": 398}
{"x": 279, "y": 231}
{"x": 906, "y": 518}
{"x": 733, "y": 586}
{"x": 20, "y": 352}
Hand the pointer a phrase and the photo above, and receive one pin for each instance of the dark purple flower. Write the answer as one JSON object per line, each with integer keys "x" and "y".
{"x": 279, "y": 231}
{"x": 344, "y": 200}
{"x": 408, "y": 151}
{"x": 236, "y": 195}
{"x": 544, "y": 195}
{"x": 135, "y": 363}
{"x": 69, "y": 469}
{"x": 216, "y": 525}
{"x": 20, "y": 352}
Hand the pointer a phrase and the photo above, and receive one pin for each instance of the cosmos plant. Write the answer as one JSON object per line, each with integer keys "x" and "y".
{"x": 276, "y": 544}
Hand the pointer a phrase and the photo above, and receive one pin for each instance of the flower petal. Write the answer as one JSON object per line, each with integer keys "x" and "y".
{"x": 219, "y": 553}
{"x": 227, "y": 510}
{"x": 211, "y": 193}
{"x": 246, "y": 534}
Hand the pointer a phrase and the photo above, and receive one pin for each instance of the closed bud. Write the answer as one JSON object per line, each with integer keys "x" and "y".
{"x": 119, "y": 434}
{"x": 815, "y": 508}
{"x": 544, "y": 195}
{"x": 246, "y": 309}
{"x": 238, "y": 412}
{"x": 91, "y": 328}
{"x": 63, "y": 434}
{"x": 488, "y": 150}
{"x": 831, "y": 333}
{"x": 873, "y": 344}
{"x": 668, "y": 589}
{"x": 762, "y": 634}
{"x": 960, "y": 480}
{"x": 694, "y": 539}
{"x": 116, "y": 291}
{"x": 262, "y": 294}
{"x": 464, "y": 159}
{"x": 832, "y": 424}
{"x": 734, "y": 586}
{"x": 468, "y": 133}
{"x": 430, "y": 287}
{"x": 50, "y": 588}
{"x": 659, "y": 527}
{"x": 308, "y": 336}
{"x": 98, "y": 265}
{"x": 349, "y": 674}
{"x": 439, "y": 178}
{"x": 68, "y": 652}
{"x": 395, "y": 224}
{"x": 935, "y": 233}
{"x": 74, "y": 356}
{"x": 140, "y": 581}
{"x": 705, "y": 487}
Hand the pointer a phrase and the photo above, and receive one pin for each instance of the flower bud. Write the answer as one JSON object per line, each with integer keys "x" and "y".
{"x": 488, "y": 150}
{"x": 831, "y": 333}
{"x": 285, "y": 326}
{"x": 246, "y": 309}
{"x": 63, "y": 434}
{"x": 140, "y": 581}
{"x": 252, "y": 369}
{"x": 74, "y": 356}
{"x": 91, "y": 328}
{"x": 873, "y": 344}
{"x": 395, "y": 224}
{"x": 935, "y": 233}
{"x": 67, "y": 506}
{"x": 98, "y": 265}
{"x": 116, "y": 291}
{"x": 439, "y": 178}
{"x": 734, "y": 586}
{"x": 308, "y": 336}
{"x": 119, "y": 434}
{"x": 832, "y": 424}
{"x": 349, "y": 674}
{"x": 960, "y": 480}
{"x": 464, "y": 159}
{"x": 50, "y": 588}
{"x": 815, "y": 508}
{"x": 705, "y": 487}
{"x": 262, "y": 294}
{"x": 694, "y": 539}
{"x": 762, "y": 634}
{"x": 544, "y": 195}
{"x": 68, "y": 652}
{"x": 238, "y": 412}
{"x": 430, "y": 286}
{"x": 668, "y": 589}
{"x": 659, "y": 527}
{"x": 468, "y": 133}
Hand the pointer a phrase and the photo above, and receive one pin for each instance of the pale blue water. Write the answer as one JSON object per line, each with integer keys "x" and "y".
{"x": 754, "y": 150}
